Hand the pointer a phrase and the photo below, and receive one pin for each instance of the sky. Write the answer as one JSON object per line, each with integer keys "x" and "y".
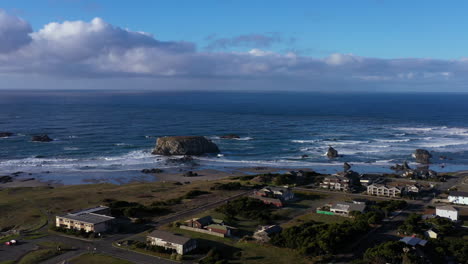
{"x": 373, "y": 45}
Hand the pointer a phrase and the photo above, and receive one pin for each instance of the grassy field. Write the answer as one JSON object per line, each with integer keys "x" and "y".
{"x": 315, "y": 217}
{"x": 38, "y": 256}
{"x": 97, "y": 259}
{"x": 30, "y": 208}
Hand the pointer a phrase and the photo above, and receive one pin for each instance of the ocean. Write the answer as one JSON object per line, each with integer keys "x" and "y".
{"x": 99, "y": 133}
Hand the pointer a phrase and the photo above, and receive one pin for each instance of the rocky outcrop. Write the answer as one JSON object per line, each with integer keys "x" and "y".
{"x": 230, "y": 136}
{"x": 332, "y": 153}
{"x": 346, "y": 166}
{"x": 402, "y": 167}
{"x": 190, "y": 174}
{"x": 304, "y": 156}
{"x": 41, "y": 138}
{"x": 422, "y": 156}
{"x": 149, "y": 171}
{"x": 5, "y": 134}
{"x": 5, "y": 179}
{"x": 184, "y": 145}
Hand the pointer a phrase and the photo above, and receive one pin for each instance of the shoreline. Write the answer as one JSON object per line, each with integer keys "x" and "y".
{"x": 19, "y": 180}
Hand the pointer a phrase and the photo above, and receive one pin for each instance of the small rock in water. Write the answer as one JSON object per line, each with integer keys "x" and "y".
{"x": 304, "y": 156}
{"x": 41, "y": 138}
{"x": 154, "y": 170}
{"x": 346, "y": 166}
{"x": 5, "y": 134}
{"x": 332, "y": 153}
{"x": 230, "y": 136}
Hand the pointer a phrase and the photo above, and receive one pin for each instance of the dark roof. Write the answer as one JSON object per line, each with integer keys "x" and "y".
{"x": 206, "y": 220}
{"x": 458, "y": 193}
{"x": 169, "y": 237}
{"x": 90, "y": 210}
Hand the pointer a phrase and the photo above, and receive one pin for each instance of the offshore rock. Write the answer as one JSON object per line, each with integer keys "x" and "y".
{"x": 332, "y": 153}
{"x": 230, "y": 136}
{"x": 184, "y": 145}
{"x": 41, "y": 138}
{"x": 5, "y": 134}
{"x": 422, "y": 156}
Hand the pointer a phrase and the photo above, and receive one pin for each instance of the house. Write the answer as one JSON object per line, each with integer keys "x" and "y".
{"x": 383, "y": 190}
{"x": 344, "y": 208}
{"x": 94, "y": 219}
{"x": 431, "y": 234}
{"x": 202, "y": 222}
{"x": 209, "y": 225}
{"x": 264, "y": 232}
{"x": 178, "y": 243}
{"x": 447, "y": 211}
{"x": 336, "y": 182}
{"x": 413, "y": 188}
{"x": 413, "y": 241}
{"x": 282, "y": 193}
{"x": 273, "y": 201}
{"x": 457, "y": 197}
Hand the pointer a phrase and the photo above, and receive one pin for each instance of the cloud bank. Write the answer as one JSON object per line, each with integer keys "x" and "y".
{"x": 97, "y": 49}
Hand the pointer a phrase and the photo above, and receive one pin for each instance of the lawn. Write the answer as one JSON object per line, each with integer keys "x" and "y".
{"x": 38, "y": 256}
{"x": 315, "y": 217}
{"x": 97, "y": 259}
{"x": 30, "y": 208}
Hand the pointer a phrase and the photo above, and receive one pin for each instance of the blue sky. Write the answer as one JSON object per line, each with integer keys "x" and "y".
{"x": 373, "y": 28}
{"x": 372, "y": 45}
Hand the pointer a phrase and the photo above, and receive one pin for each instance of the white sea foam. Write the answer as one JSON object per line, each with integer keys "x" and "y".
{"x": 71, "y": 148}
{"x": 393, "y": 140}
{"x": 305, "y": 141}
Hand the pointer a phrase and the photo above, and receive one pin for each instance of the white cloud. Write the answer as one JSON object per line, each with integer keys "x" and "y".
{"x": 99, "y": 49}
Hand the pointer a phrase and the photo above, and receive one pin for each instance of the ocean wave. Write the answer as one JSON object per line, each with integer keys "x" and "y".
{"x": 393, "y": 140}
{"x": 305, "y": 141}
{"x": 71, "y": 148}
{"x": 122, "y": 144}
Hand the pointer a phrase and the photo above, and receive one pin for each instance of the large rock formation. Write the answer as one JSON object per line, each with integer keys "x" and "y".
{"x": 5, "y": 134}
{"x": 184, "y": 145}
{"x": 41, "y": 138}
{"x": 346, "y": 166}
{"x": 422, "y": 156}
{"x": 332, "y": 153}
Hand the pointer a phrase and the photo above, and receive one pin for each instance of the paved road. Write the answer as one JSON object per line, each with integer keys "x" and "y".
{"x": 105, "y": 245}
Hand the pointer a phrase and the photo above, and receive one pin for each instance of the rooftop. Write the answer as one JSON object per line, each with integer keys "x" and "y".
{"x": 89, "y": 218}
{"x": 458, "y": 193}
{"x": 447, "y": 208}
{"x": 344, "y": 206}
{"x": 90, "y": 210}
{"x": 169, "y": 237}
{"x": 413, "y": 241}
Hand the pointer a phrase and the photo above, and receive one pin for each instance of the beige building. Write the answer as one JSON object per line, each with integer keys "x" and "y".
{"x": 90, "y": 220}
{"x": 383, "y": 190}
{"x": 335, "y": 182}
{"x": 178, "y": 243}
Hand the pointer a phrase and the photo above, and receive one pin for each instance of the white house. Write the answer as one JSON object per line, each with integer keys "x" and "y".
{"x": 447, "y": 211}
{"x": 457, "y": 197}
{"x": 178, "y": 243}
{"x": 344, "y": 208}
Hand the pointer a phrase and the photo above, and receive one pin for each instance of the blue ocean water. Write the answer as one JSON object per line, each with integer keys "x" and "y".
{"x": 112, "y": 131}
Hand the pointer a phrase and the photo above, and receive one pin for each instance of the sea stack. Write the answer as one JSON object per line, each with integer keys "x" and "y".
{"x": 41, "y": 138}
{"x": 332, "y": 153}
{"x": 5, "y": 134}
{"x": 422, "y": 156}
{"x": 184, "y": 145}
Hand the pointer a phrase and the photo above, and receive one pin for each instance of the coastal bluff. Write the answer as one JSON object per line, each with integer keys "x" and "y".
{"x": 184, "y": 145}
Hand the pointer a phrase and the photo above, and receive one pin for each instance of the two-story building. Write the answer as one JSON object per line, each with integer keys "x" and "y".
{"x": 282, "y": 193}
{"x": 458, "y": 197}
{"x": 178, "y": 243}
{"x": 335, "y": 182}
{"x": 383, "y": 190}
{"x": 94, "y": 219}
{"x": 447, "y": 211}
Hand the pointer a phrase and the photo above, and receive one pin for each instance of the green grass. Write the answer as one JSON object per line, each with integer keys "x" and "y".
{"x": 7, "y": 262}
{"x": 31, "y": 236}
{"x": 8, "y": 238}
{"x": 24, "y": 208}
{"x": 315, "y": 217}
{"x": 97, "y": 259}
{"x": 38, "y": 256}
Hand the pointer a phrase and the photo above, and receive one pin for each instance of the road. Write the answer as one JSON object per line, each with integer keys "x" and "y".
{"x": 105, "y": 245}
